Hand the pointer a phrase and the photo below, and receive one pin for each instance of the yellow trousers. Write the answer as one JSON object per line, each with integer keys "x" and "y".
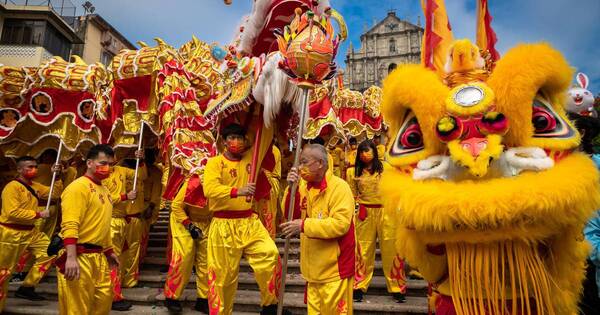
{"x": 267, "y": 212}
{"x": 330, "y": 298}
{"x": 46, "y": 226}
{"x": 12, "y": 245}
{"x": 228, "y": 241}
{"x": 185, "y": 254}
{"x": 117, "y": 234}
{"x": 91, "y": 293}
{"x": 130, "y": 262}
{"x": 378, "y": 226}
{"x": 144, "y": 242}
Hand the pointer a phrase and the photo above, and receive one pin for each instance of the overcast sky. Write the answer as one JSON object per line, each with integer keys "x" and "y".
{"x": 572, "y": 26}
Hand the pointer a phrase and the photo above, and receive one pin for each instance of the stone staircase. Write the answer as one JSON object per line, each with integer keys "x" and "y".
{"x": 148, "y": 298}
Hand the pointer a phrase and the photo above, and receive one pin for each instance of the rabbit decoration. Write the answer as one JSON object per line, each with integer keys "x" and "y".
{"x": 580, "y": 100}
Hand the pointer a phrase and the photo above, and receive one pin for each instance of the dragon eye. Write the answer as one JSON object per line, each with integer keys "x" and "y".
{"x": 409, "y": 138}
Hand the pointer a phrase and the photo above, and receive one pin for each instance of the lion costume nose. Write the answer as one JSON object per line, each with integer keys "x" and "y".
{"x": 474, "y": 145}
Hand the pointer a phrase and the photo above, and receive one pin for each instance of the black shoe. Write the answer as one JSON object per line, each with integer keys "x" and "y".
{"x": 29, "y": 294}
{"x": 164, "y": 269}
{"x": 272, "y": 310}
{"x": 399, "y": 297}
{"x": 201, "y": 305}
{"x": 174, "y": 305}
{"x": 357, "y": 295}
{"x": 18, "y": 277}
{"x": 121, "y": 306}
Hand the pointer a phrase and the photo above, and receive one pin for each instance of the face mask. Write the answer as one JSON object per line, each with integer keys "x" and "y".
{"x": 366, "y": 157}
{"x": 30, "y": 173}
{"x": 235, "y": 146}
{"x": 102, "y": 172}
{"x": 306, "y": 174}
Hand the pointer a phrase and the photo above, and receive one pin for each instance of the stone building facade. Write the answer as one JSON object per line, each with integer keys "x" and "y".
{"x": 387, "y": 44}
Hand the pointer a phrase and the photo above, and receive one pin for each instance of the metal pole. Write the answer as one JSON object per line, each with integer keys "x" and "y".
{"x": 137, "y": 160}
{"x": 292, "y": 194}
{"x": 53, "y": 176}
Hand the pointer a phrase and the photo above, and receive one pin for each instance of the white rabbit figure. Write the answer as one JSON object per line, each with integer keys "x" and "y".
{"x": 580, "y": 100}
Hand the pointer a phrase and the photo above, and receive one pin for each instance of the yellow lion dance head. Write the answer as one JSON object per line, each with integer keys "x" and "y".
{"x": 490, "y": 191}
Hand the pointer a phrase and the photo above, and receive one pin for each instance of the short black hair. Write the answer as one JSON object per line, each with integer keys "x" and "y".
{"x": 352, "y": 140}
{"x": 100, "y": 148}
{"x": 25, "y": 158}
{"x": 233, "y": 129}
{"x": 317, "y": 140}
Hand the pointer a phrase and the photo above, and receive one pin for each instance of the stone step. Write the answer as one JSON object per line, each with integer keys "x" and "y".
{"x": 154, "y": 263}
{"x": 294, "y": 252}
{"x": 246, "y": 281}
{"x": 16, "y": 306}
{"x": 294, "y": 283}
{"x": 246, "y": 301}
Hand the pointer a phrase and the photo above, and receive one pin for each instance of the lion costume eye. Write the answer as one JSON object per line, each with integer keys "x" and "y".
{"x": 547, "y": 123}
{"x": 409, "y": 138}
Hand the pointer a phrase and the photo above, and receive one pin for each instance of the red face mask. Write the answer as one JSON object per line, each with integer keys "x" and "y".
{"x": 102, "y": 172}
{"x": 235, "y": 146}
{"x": 367, "y": 156}
{"x": 30, "y": 173}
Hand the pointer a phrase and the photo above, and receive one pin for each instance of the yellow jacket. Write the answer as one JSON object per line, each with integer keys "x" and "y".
{"x": 153, "y": 190}
{"x": 137, "y": 206}
{"x": 350, "y": 158}
{"x": 117, "y": 186}
{"x": 70, "y": 175}
{"x": 381, "y": 152}
{"x": 86, "y": 213}
{"x": 327, "y": 241}
{"x": 365, "y": 188}
{"x": 184, "y": 212}
{"x": 222, "y": 179}
{"x": 19, "y": 206}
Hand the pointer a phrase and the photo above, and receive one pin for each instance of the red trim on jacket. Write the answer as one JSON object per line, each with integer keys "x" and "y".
{"x": 346, "y": 258}
{"x": 321, "y": 186}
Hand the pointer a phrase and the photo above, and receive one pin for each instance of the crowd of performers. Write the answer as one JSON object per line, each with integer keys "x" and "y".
{"x": 97, "y": 226}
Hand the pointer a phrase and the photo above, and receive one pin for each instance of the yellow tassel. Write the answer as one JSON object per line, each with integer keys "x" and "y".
{"x": 485, "y": 277}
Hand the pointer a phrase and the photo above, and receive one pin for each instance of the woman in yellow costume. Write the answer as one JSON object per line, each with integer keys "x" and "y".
{"x": 373, "y": 223}
{"x": 490, "y": 194}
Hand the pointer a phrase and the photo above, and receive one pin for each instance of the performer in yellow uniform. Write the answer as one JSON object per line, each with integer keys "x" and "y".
{"x": 17, "y": 228}
{"x": 267, "y": 208}
{"x": 189, "y": 221}
{"x": 337, "y": 155}
{"x": 326, "y": 229}
{"x": 134, "y": 229}
{"x": 380, "y": 147}
{"x": 351, "y": 153}
{"x": 121, "y": 199}
{"x": 153, "y": 190}
{"x": 235, "y": 230}
{"x": 44, "y": 225}
{"x": 84, "y": 285}
{"x": 373, "y": 223}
